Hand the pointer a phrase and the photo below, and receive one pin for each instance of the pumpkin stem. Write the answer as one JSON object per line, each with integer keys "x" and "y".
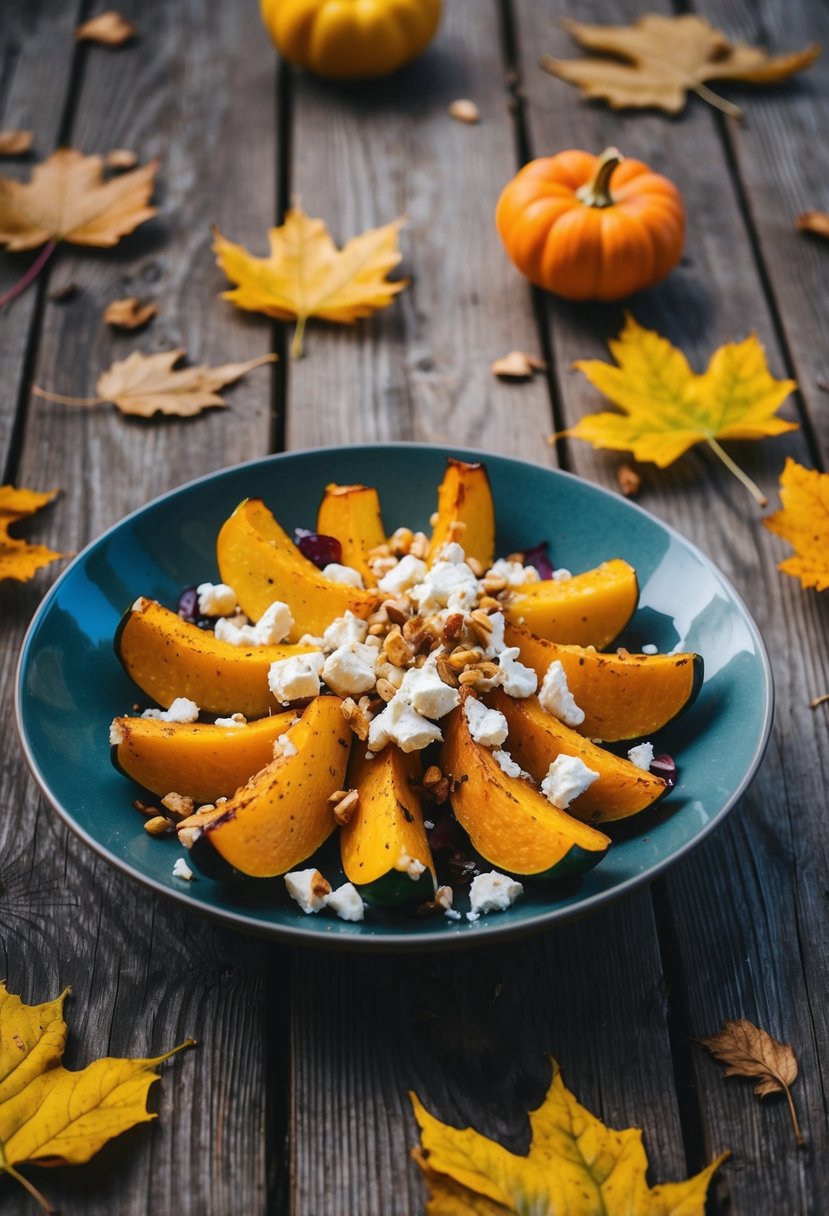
{"x": 596, "y": 193}
{"x": 753, "y": 489}
{"x": 719, "y": 103}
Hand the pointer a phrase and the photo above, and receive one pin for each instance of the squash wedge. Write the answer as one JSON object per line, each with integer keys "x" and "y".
{"x": 262, "y": 564}
{"x": 282, "y": 815}
{"x": 509, "y": 821}
{"x": 198, "y": 759}
{"x": 624, "y": 696}
{"x": 588, "y": 609}
{"x": 352, "y": 514}
{"x": 168, "y": 658}
{"x": 536, "y": 738}
{"x": 466, "y": 512}
{"x": 386, "y": 834}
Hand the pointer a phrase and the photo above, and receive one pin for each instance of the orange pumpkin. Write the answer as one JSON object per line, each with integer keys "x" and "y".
{"x": 591, "y": 227}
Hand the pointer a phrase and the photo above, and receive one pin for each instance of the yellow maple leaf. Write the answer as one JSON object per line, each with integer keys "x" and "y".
{"x": 658, "y": 59}
{"x": 19, "y": 559}
{"x": 307, "y": 276}
{"x": 668, "y": 408}
{"x": 50, "y": 1115}
{"x": 804, "y": 522}
{"x": 575, "y": 1165}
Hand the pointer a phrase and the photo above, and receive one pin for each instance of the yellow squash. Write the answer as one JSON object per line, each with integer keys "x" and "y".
{"x": 588, "y": 609}
{"x": 466, "y": 512}
{"x": 352, "y": 514}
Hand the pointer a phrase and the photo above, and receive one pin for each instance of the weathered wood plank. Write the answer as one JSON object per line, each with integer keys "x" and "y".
{"x": 749, "y": 879}
{"x": 198, "y": 88}
{"x": 421, "y": 370}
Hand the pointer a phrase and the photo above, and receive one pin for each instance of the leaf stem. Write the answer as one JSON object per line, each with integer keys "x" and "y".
{"x": 30, "y": 275}
{"x": 813, "y": 704}
{"x": 60, "y": 399}
{"x": 299, "y": 334}
{"x": 752, "y": 487}
{"x": 798, "y": 1134}
{"x": 719, "y": 103}
{"x": 30, "y": 1187}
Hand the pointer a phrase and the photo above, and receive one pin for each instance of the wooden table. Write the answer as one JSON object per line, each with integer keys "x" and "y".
{"x": 296, "y": 1098}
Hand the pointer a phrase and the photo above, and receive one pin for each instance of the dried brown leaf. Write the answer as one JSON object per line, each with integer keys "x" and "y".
{"x": 147, "y": 384}
{"x": 517, "y": 365}
{"x": 464, "y": 110}
{"x": 749, "y": 1051}
{"x": 109, "y": 29}
{"x": 816, "y": 222}
{"x": 630, "y": 482}
{"x": 129, "y": 313}
{"x": 121, "y": 158}
{"x": 15, "y": 143}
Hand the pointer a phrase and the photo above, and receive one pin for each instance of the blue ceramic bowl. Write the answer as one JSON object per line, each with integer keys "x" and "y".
{"x": 70, "y": 684}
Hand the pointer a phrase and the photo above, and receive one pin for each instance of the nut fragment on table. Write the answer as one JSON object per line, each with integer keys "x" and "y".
{"x": 464, "y": 110}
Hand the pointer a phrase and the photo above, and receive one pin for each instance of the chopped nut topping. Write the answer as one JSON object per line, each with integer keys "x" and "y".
{"x": 489, "y": 603}
{"x": 397, "y": 611}
{"x": 385, "y": 689}
{"x": 475, "y": 566}
{"x": 420, "y": 545}
{"x": 377, "y": 630}
{"x": 397, "y": 648}
{"x": 461, "y": 658}
{"x": 453, "y": 628}
{"x": 356, "y": 717}
{"x": 145, "y": 807}
{"x": 432, "y": 776}
{"x": 159, "y": 825}
{"x": 380, "y": 551}
{"x": 178, "y": 804}
{"x": 456, "y": 529}
{"x": 445, "y": 671}
{"x": 400, "y": 541}
{"x": 482, "y": 632}
{"x": 203, "y": 816}
{"x": 344, "y": 811}
{"x": 493, "y": 582}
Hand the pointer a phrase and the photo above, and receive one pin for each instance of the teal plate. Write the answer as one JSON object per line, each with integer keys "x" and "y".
{"x": 70, "y": 684}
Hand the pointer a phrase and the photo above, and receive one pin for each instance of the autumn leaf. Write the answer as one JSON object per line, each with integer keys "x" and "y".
{"x": 307, "y": 276}
{"x": 751, "y": 1052}
{"x": 815, "y": 222}
{"x": 149, "y": 384}
{"x": 129, "y": 313}
{"x": 575, "y": 1164}
{"x": 109, "y": 29}
{"x": 15, "y": 143}
{"x": 667, "y": 408}
{"x": 804, "y": 522}
{"x": 49, "y": 1115}
{"x": 19, "y": 559}
{"x": 657, "y": 60}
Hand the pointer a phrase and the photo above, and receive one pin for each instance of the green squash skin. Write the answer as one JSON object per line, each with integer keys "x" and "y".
{"x": 575, "y": 861}
{"x": 395, "y": 889}
{"x": 209, "y": 862}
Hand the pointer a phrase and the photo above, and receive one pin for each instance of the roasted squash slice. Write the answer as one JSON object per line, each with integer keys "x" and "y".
{"x": 384, "y": 848}
{"x": 202, "y": 761}
{"x": 624, "y": 696}
{"x": 262, "y": 564}
{"x": 168, "y": 658}
{"x": 536, "y": 738}
{"x": 352, "y": 514}
{"x": 466, "y": 512}
{"x": 588, "y": 609}
{"x": 509, "y": 822}
{"x": 282, "y": 815}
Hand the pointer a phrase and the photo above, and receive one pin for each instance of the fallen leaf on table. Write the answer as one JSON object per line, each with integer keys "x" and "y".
{"x": 517, "y": 365}
{"x": 129, "y": 313}
{"x": 657, "y": 60}
{"x": 464, "y": 110}
{"x": 751, "y": 1052}
{"x": 121, "y": 158}
{"x": 307, "y": 276}
{"x": 667, "y": 408}
{"x": 109, "y": 28}
{"x": 804, "y": 522}
{"x": 49, "y": 1115}
{"x": 575, "y": 1164}
{"x": 19, "y": 559}
{"x": 148, "y": 384}
{"x": 14, "y": 143}
{"x": 816, "y": 222}
{"x": 629, "y": 480}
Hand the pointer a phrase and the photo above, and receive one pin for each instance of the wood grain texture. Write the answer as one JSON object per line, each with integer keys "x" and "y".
{"x": 757, "y": 950}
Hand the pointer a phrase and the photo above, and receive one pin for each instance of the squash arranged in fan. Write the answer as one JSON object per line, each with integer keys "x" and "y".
{"x": 435, "y": 706}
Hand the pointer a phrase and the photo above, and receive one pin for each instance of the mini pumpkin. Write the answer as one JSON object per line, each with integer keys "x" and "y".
{"x": 348, "y": 39}
{"x": 591, "y": 227}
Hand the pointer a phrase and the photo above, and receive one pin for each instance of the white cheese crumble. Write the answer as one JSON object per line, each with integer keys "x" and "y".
{"x": 567, "y": 777}
{"x": 515, "y": 573}
{"x": 346, "y": 902}
{"x": 492, "y": 892}
{"x": 388, "y": 671}
{"x": 410, "y": 866}
{"x": 283, "y": 748}
{"x": 216, "y": 599}
{"x": 296, "y": 677}
{"x": 641, "y": 756}
{"x": 345, "y": 629}
{"x": 426, "y": 692}
{"x": 408, "y": 571}
{"x": 649, "y": 648}
{"x": 556, "y": 698}
{"x": 181, "y": 710}
{"x": 116, "y": 734}
{"x": 496, "y": 637}
{"x": 451, "y": 914}
{"x": 350, "y": 669}
{"x": 233, "y": 720}
{"x": 452, "y": 552}
{"x": 561, "y": 575}
{"x": 273, "y": 626}
{"x": 400, "y": 723}
{"x": 509, "y": 766}
{"x": 346, "y": 575}
{"x": 516, "y": 679}
{"x": 182, "y": 870}
{"x": 447, "y": 585}
{"x": 486, "y": 726}
{"x": 308, "y": 888}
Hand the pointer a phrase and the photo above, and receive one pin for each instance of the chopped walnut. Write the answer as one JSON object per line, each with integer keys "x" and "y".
{"x": 356, "y": 716}
{"x": 400, "y": 542}
{"x": 420, "y": 545}
{"x": 397, "y": 648}
{"x": 178, "y": 804}
{"x": 159, "y": 825}
{"x": 344, "y": 809}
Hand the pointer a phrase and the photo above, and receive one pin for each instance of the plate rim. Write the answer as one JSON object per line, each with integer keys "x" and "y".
{"x": 457, "y": 937}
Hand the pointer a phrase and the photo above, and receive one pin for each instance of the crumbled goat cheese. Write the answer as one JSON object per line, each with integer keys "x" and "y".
{"x": 493, "y": 892}
{"x": 308, "y": 888}
{"x": 346, "y": 575}
{"x": 216, "y": 599}
{"x": 408, "y": 571}
{"x": 426, "y": 692}
{"x": 273, "y": 626}
{"x": 556, "y": 698}
{"x": 515, "y": 573}
{"x": 345, "y": 629}
{"x": 116, "y": 734}
{"x": 410, "y": 865}
{"x": 516, "y": 679}
{"x": 496, "y": 637}
{"x": 181, "y": 710}
{"x": 486, "y": 726}
{"x": 641, "y": 756}
{"x": 284, "y": 747}
{"x": 511, "y": 767}
{"x": 182, "y": 870}
{"x": 388, "y": 671}
{"x": 400, "y": 723}
{"x": 451, "y": 552}
{"x": 296, "y": 677}
{"x": 346, "y": 902}
{"x": 351, "y": 669}
{"x": 447, "y": 585}
{"x": 451, "y": 914}
{"x": 233, "y": 720}
{"x": 649, "y": 648}
{"x": 561, "y": 575}
{"x": 567, "y": 777}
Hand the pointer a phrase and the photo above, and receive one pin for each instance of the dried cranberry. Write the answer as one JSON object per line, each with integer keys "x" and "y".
{"x": 188, "y": 609}
{"x": 664, "y": 766}
{"x": 320, "y": 549}
{"x": 462, "y": 869}
{"x": 540, "y": 558}
{"x": 445, "y": 835}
